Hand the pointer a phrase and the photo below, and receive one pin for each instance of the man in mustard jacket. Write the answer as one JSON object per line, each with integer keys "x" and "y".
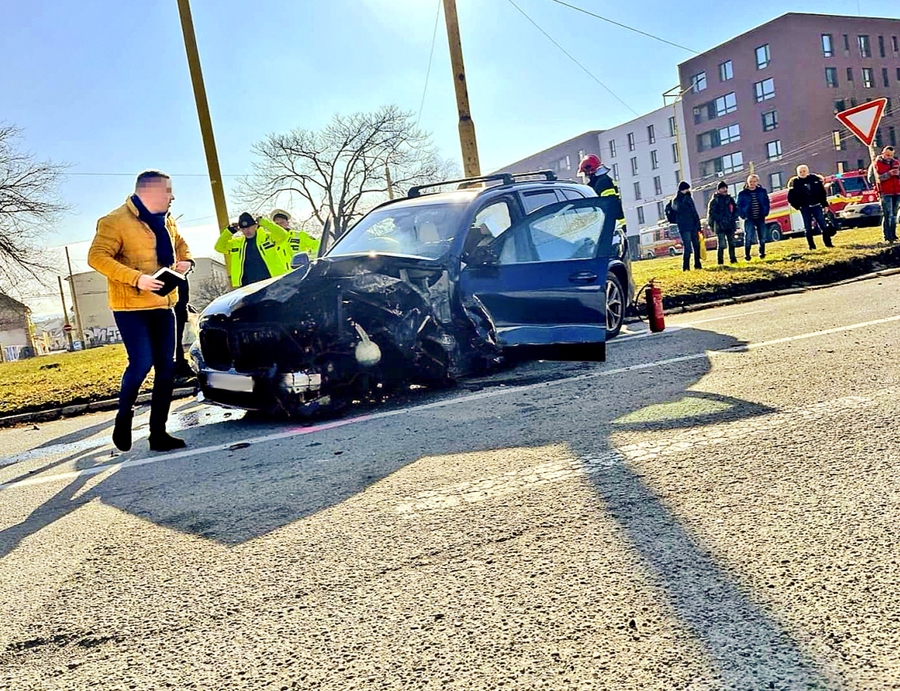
{"x": 132, "y": 243}
{"x": 254, "y": 250}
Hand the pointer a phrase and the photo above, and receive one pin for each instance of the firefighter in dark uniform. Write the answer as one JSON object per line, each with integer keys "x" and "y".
{"x": 597, "y": 177}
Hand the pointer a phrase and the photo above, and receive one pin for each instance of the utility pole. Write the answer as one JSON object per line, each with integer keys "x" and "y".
{"x": 78, "y": 322}
{"x": 468, "y": 144}
{"x": 68, "y": 327}
{"x": 390, "y": 183}
{"x": 206, "y": 130}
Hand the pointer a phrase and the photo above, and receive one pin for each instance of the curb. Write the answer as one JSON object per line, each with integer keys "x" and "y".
{"x": 776, "y": 293}
{"x": 81, "y": 408}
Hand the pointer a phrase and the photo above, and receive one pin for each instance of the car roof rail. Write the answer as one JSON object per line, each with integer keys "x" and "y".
{"x": 548, "y": 175}
{"x": 505, "y": 178}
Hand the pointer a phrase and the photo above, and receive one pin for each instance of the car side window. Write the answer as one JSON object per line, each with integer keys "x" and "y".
{"x": 572, "y": 194}
{"x": 571, "y": 233}
{"x": 532, "y": 201}
{"x": 490, "y": 222}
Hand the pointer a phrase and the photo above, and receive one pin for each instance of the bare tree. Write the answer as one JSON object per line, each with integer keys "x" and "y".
{"x": 29, "y": 208}
{"x": 342, "y": 170}
{"x": 207, "y": 290}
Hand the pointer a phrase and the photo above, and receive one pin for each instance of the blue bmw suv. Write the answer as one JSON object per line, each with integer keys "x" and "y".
{"x": 441, "y": 284}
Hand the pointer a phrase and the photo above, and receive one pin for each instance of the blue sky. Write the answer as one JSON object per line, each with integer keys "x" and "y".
{"x": 104, "y": 84}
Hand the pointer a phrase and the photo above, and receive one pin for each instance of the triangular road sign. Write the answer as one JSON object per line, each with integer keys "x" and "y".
{"x": 863, "y": 120}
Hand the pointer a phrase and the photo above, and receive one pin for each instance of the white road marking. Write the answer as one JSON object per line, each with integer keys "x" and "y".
{"x": 674, "y": 328}
{"x": 299, "y": 431}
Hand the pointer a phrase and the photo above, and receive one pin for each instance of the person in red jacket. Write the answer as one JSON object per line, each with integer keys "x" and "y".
{"x": 887, "y": 181}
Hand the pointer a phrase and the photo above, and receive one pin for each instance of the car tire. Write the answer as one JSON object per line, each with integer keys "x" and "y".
{"x": 672, "y": 251}
{"x": 775, "y": 232}
{"x": 615, "y": 306}
{"x": 649, "y": 255}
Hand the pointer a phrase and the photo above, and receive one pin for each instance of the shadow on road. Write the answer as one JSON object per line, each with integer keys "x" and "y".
{"x": 235, "y": 496}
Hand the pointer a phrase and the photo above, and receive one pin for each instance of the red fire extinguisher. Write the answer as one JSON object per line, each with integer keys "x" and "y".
{"x": 655, "y": 308}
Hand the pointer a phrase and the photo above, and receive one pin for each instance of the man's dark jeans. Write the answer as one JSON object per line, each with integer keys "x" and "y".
{"x": 726, "y": 238}
{"x": 890, "y": 207}
{"x": 810, "y": 214}
{"x": 691, "y": 243}
{"x": 754, "y": 231}
{"x": 149, "y": 337}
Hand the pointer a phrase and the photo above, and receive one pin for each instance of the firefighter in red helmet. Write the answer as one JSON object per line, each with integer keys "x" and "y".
{"x": 597, "y": 176}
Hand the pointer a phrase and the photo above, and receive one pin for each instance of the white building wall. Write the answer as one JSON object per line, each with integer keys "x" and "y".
{"x": 668, "y": 169}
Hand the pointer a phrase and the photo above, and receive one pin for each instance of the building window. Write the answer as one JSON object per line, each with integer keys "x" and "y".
{"x": 898, "y": 74}
{"x": 860, "y": 164}
{"x": 895, "y": 46}
{"x": 846, "y": 45}
{"x": 719, "y": 137}
{"x": 865, "y": 50}
{"x": 660, "y": 210}
{"x": 654, "y": 159}
{"x": 726, "y": 71}
{"x": 892, "y": 136}
{"x": 564, "y": 164}
{"x": 881, "y": 50}
{"x": 615, "y": 171}
{"x": 776, "y": 181}
{"x": 770, "y": 120}
{"x": 637, "y": 191}
{"x": 773, "y": 150}
{"x": 837, "y": 141}
{"x": 849, "y": 74}
{"x": 878, "y": 142}
{"x": 853, "y": 103}
{"x": 651, "y": 134}
{"x": 641, "y": 220}
{"x": 631, "y": 141}
{"x": 725, "y": 104}
{"x": 764, "y": 90}
{"x": 657, "y": 183}
{"x": 827, "y": 46}
{"x": 612, "y": 148}
{"x": 842, "y": 166}
{"x": 888, "y": 107}
{"x": 831, "y": 78}
{"x": 729, "y": 163}
{"x": 634, "y": 166}
{"x": 868, "y": 77}
{"x": 884, "y": 77}
{"x": 763, "y": 57}
{"x": 673, "y": 126}
{"x": 675, "y": 152}
{"x": 840, "y": 106}
{"x": 677, "y": 177}
{"x": 698, "y": 82}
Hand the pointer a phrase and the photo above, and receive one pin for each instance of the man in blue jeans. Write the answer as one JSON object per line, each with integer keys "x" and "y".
{"x": 132, "y": 243}
{"x": 753, "y": 207}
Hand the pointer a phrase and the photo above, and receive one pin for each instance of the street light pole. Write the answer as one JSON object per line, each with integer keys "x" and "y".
{"x": 468, "y": 144}
{"x": 206, "y": 130}
{"x": 67, "y": 328}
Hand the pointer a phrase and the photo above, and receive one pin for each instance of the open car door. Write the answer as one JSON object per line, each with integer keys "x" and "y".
{"x": 543, "y": 280}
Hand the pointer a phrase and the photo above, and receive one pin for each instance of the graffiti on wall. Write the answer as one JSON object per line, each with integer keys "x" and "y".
{"x": 102, "y": 335}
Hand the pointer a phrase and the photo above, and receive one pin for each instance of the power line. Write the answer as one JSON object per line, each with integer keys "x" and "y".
{"x": 625, "y": 26}
{"x": 437, "y": 18}
{"x": 573, "y": 59}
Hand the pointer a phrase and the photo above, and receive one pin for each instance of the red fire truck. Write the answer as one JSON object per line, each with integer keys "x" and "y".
{"x": 850, "y": 197}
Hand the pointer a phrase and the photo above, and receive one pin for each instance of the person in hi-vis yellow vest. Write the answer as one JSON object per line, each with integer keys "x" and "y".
{"x": 299, "y": 240}
{"x": 254, "y": 250}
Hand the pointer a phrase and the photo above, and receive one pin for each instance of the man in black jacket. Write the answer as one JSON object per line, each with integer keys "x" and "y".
{"x": 688, "y": 221}
{"x": 806, "y": 193}
{"x": 722, "y": 217}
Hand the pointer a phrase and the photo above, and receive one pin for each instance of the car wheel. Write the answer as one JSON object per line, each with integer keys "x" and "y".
{"x": 649, "y": 255}
{"x": 672, "y": 252}
{"x": 775, "y": 232}
{"x": 615, "y": 306}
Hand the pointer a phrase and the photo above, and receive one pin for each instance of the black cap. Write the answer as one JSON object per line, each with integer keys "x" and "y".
{"x": 721, "y": 185}
{"x": 246, "y": 220}
{"x": 684, "y": 185}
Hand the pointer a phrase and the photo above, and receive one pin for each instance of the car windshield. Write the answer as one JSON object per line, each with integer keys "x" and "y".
{"x": 418, "y": 230}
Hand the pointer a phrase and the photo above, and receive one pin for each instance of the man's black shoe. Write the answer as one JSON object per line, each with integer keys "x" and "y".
{"x": 121, "y": 435}
{"x": 165, "y": 442}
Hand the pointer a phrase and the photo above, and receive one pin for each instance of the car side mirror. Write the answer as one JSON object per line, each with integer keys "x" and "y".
{"x": 484, "y": 256}
{"x": 300, "y": 260}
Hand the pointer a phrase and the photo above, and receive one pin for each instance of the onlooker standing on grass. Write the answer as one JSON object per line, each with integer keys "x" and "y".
{"x": 806, "y": 192}
{"x": 682, "y": 212}
{"x": 753, "y": 207}
{"x": 132, "y": 243}
{"x": 887, "y": 180}
{"x": 722, "y": 217}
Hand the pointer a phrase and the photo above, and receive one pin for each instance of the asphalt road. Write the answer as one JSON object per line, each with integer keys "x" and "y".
{"x": 715, "y": 507}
